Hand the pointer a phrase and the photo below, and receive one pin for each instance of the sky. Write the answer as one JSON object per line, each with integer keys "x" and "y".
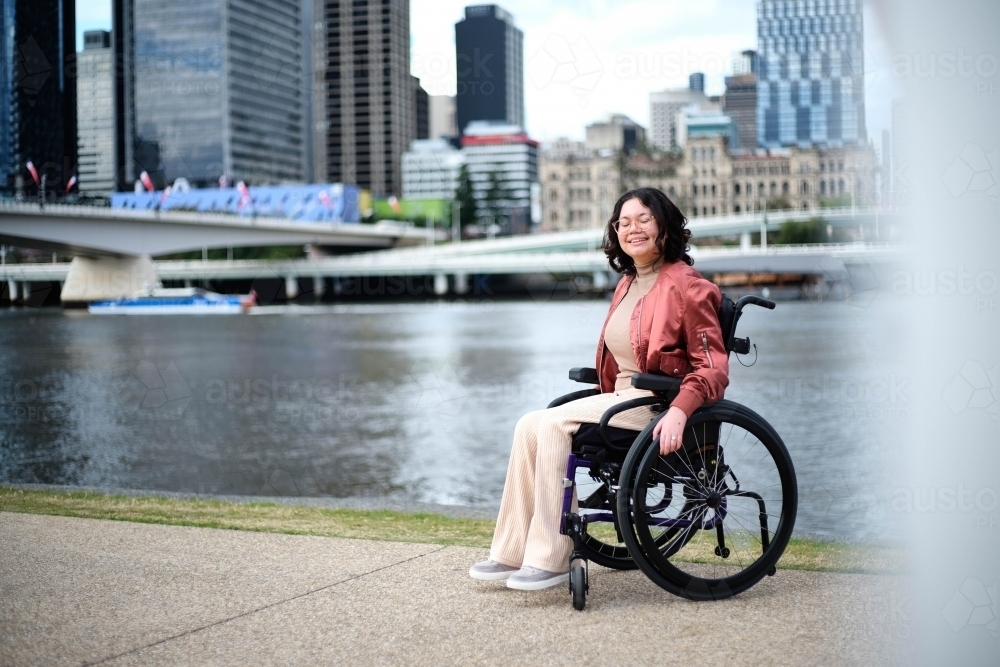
{"x": 585, "y": 59}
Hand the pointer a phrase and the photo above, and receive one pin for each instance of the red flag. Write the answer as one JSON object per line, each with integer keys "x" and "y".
{"x": 34, "y": 172}
{"x": 70, "y": 183}
{"x": 147, "y": 182}
{"x": 324, "y": 197}
{"x": 166, "y": 193}
{"x": 394, "y": 204}
{"x": 244, "y": 191}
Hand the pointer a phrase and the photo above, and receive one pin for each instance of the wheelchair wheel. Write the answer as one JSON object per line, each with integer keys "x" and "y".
{"x": 601, "y": 542}
{"x": 710, "y": 520}
{"x": 578, "y": 586}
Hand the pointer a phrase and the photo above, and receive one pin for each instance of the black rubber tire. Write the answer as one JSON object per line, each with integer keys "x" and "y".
{"x": 654, "y": 562}
{"x": 578, "y": 586}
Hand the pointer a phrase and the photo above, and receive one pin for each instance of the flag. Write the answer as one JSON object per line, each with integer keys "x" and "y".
{"x": 223, "y": 182}
{"x": 70, "y": 183}
{"x": 147, "y": 182}
{"x": 34, "y": 172}
{"x": 244, "y": 191}
{"x": 166, "y": 193}
{"x": 394, "y": 205}
{"x": 324, "y": 197}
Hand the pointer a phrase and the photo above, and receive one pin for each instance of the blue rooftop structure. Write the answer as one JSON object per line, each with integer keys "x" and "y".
{"x": 331, "y": 202}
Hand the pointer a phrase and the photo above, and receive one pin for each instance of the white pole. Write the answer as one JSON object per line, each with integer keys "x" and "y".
{"x": 456, "y": 218}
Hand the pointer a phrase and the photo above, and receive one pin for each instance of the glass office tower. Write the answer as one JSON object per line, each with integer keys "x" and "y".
{"x": 811, "y": 79}
{"x": 37, "y": 92}
{"x": 219, "y": 90}
{"x": 490, "y": 59}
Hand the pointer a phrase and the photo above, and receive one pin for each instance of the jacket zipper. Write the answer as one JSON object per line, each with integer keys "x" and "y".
{"x": 641, "y": 355}
{"x": 704, "y": 345}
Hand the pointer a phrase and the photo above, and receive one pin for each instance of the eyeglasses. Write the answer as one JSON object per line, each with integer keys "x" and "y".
{"x": 624, "y": 226}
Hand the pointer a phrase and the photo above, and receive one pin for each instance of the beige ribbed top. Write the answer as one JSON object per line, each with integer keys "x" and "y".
{"x": 616, "y": 335}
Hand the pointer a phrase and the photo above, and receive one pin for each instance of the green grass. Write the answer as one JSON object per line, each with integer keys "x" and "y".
{"x": 381, "y": 525}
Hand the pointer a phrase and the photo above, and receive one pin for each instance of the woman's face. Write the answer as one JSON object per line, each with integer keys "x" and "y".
{"x": 637, "y": 232}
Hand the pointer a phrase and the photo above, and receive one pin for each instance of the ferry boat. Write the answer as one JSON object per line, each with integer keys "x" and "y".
{"x": 176, "y": 301}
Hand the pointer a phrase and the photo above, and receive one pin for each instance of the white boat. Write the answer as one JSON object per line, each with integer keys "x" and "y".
{"x": 176, "y": 301}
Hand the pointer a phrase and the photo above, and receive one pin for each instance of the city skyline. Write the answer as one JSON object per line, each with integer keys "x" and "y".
{"x": 603, "y": 37}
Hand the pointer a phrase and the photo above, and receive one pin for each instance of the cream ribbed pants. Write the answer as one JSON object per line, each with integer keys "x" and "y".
{"x": 527, "y": 531}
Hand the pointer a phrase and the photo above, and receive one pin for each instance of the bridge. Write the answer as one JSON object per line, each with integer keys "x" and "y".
{"x": 113, "y": 248}
{"x": 831, "y": 262}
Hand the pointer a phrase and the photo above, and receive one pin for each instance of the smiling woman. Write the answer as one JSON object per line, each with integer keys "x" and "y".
{"x": 663, "y": 319}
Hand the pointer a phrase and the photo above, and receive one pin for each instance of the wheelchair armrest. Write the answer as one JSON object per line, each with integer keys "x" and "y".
{"x": 576, "y": 395}
{"x": 657, "y": 383}
{"x": 586, "y": 375}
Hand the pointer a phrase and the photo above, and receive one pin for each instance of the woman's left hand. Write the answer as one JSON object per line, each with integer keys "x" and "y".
{"x": 670, "y": 430}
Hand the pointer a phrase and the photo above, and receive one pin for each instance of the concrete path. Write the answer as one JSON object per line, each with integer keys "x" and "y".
{"x": 82, "y": 591}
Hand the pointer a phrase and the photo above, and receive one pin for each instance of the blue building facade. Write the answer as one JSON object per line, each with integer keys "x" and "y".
{"x": 219, "y": 90}
{"x": 811, "y": 73}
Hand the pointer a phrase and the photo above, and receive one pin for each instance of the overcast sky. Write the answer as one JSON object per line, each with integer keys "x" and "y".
{"x": 587, "y": 58}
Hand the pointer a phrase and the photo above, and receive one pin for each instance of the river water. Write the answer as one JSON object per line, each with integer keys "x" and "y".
{"x": 402, "y": 402}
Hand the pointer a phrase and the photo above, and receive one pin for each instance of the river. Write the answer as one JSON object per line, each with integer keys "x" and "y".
{"x": 401, "y": 402}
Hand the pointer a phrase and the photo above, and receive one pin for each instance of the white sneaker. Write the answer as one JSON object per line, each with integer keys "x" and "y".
{"x": 490, "y": 570}
{"x": 533, "y": 579}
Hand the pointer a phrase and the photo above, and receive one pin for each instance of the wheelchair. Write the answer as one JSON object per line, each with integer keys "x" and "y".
{"x": 706, "y": 522}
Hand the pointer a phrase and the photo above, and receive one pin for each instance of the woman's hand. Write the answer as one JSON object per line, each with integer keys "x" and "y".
{"x": 670, "y": 430}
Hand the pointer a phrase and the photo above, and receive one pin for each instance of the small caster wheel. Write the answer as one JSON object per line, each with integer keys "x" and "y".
{"x": 722, "y": 551}
{"x": 772, "y": 571}
{"x": 578, "y": 586}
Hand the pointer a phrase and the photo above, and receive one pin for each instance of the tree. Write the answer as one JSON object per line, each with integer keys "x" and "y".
{"x": 466, "y": 199}
{"x": 496, "y": 197}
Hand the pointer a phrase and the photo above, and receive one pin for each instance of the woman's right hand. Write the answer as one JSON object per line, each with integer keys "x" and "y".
{"x": 670, "y": 430}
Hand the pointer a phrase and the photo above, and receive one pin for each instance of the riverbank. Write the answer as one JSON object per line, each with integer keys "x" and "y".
{"x": 818, "y": 555}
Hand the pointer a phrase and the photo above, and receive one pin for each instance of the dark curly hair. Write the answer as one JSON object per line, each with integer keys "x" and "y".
{"x": 672, "y": 239}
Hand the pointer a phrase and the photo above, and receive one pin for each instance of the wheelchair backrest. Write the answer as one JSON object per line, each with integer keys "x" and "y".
{"x": 727, "y": 319}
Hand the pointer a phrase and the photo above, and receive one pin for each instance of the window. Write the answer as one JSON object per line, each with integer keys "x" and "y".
{"x": 784, "y": 188}
{"x": 736, "y": 188}
{"x": 736, "y": 208}
{"x": 805, "y": 187}
{"x": 713, "y": 191}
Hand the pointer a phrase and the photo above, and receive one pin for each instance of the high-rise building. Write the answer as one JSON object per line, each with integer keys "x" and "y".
{"x": 363, "y": 97}
{"x": 431, "y": 170}
{"x": 96, "y": 114}
{"x": 218, "y": 89}
{"x": 421, "y": 111}
{"x": 442, "y": 117}
{"x": 37, "y": 91}
{"x": 740, "y": 104}
{"x": 123, "y": 56}
{"x": 503, "y": 169}
{"x": 811, "y": 79}
{"x": 696, "y": 81}
{"x": 489, "y": 53}
{"x": 664, "y": 107}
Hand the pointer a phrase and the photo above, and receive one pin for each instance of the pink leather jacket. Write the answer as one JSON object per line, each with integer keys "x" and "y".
{"x": 675, "y": 331}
